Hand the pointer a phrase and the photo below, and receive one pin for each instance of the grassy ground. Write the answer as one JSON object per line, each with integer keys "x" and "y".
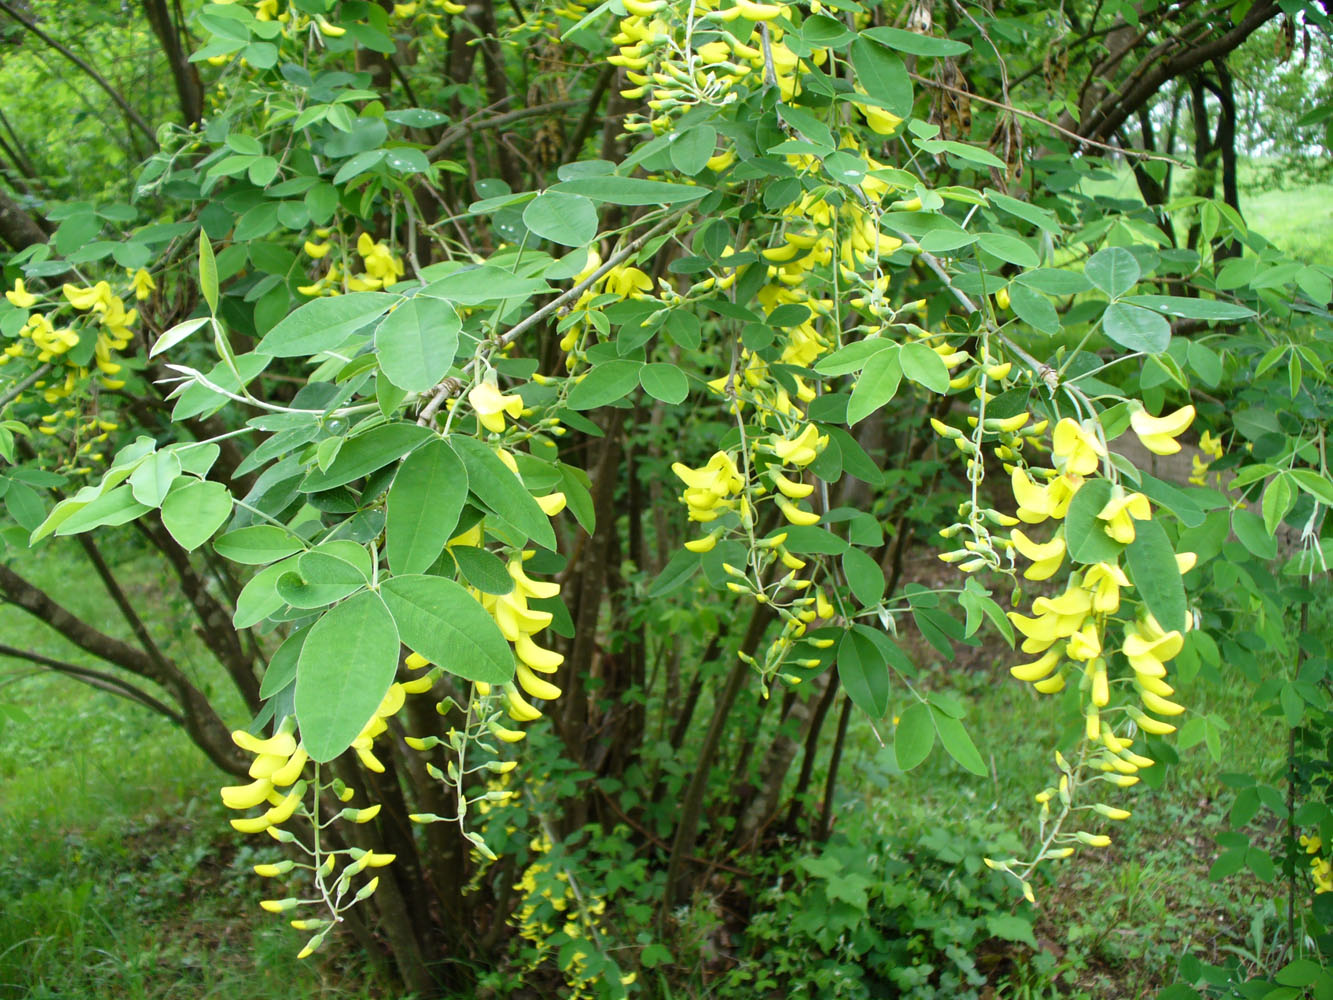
{"x": 1297, "y": 218}
{"x": 119, "y": 877}
{"x": 1112, "y": 923}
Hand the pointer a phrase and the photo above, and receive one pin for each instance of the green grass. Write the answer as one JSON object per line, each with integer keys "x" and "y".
{"x": 119, "y": 876}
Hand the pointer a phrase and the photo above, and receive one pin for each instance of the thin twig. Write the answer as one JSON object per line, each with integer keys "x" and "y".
{"x": 470, "y": 126}
{"x": 1045, "y": 121}
{"x": 11, "y": 394}
{"x": 446, "y": 390}
{"x": 124, "y": 105}
{"x": 98, "y": 679}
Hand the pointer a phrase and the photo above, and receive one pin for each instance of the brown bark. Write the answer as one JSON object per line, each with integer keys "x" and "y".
{"x": 189, "y": 91}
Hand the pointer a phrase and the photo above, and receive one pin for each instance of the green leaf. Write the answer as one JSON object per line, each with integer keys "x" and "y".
{"x": 630, "y": 190}
{"x": 692, "y": 149}
{"x": 567, "y": 219}
{"x": 1177, "y": 305}
{"x": 208, "y": 273}
{"x": 257, "y": 545}
{"x": 806, "y": 124}
{"x": 367, "y": 452}
{"x": 1034, "y": 309}
{"x": 440, "y": 620}
{"x": 423, "y": 506}
{"x": 1278, "y": 500}
{"x": 416, "y": 343}
{"x": 193, "y": 513}
{"x": 877, "y": 384}
{"x": 319, "y": 579}
{"x": 863, "y": 674}
{"x": 282, "y": 668}
{"x": 417, "y": 117}
{"x": 1011, "y": 927}
{"x": 344, "y": 669}
{"x": 914, "y": 737}
{"x": 1316, "y": 485}
{"x": 916, "y": 44}
{"x": 177, "y": 333}
{"x": 152, "y": 480}
{"x": 864, "y": 577}
{"x": 882, "y": 74}
{"x": 958, "y": 743}
{"x": 114, "y": 507}
{"x": 1009, "y": 248}
{"x": 482, "y": 569}
{"x": 1085, "y": 534}
{"x": 665, "y": 382}
{"x": 259, "y": 597}
{"x": 1136, "y": 328}
{"x": 492, "y": 482}
{"x": 359, "y": 164}
{"x": 1250, "y": 530}
{"x": 1152, "y": 566}
{"x": 924, "y": 367}
{"x": 854, "y": 356}
{"x": 323, "y": 324}
{"x": 1113, "y": 270}
{"x": 1026, "y": 211}
{"x": 682, "y": 565}
{"x": 1054, "y": 282}
{"x": 605, "y": 383}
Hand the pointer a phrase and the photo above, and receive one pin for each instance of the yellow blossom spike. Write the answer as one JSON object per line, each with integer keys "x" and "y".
{"x": 552, "y": 503}
{"x": 1159, "y": 705}
{"x": 1034, "y": 504}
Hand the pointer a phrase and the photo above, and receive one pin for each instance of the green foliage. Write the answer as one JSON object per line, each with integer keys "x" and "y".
{"x": 873, "y": 914}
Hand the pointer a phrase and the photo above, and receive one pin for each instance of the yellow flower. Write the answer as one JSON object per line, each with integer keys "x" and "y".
{"x": 1159, "y": 434}
{"x": 1105, "y": 581}
{"x": 1120, "y": 513}
{"x": 1075, "y": 451}
{"x": 1210, "y": 445}
{"x": 20, "y": 296}
{"x": 1046, "y": 557}
{"x": 491, "y": 405}
{"x": 1034, "y": 502}
{"x": 143, "y": 284}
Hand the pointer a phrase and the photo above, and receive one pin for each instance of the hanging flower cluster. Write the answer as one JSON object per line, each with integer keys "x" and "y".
{"x": 1122, "y": 685}
{"x": 283, "y": 793}
{"x": 380, "y": 267}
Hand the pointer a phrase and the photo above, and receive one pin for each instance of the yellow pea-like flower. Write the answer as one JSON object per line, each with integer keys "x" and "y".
{"x": 247, "y": 796}
{"x": 1158, "y": 434}
{"x": 795, "y": 515}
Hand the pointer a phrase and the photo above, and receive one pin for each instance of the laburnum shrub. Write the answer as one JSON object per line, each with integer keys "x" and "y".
{"x": 804, "y": 287}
